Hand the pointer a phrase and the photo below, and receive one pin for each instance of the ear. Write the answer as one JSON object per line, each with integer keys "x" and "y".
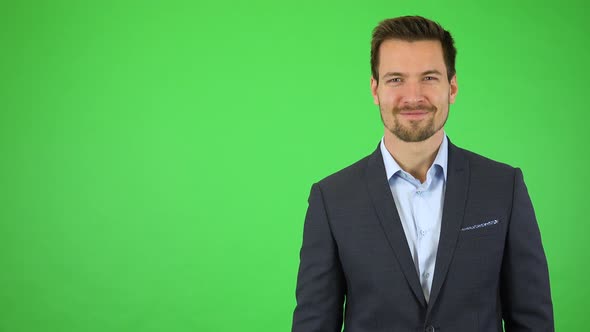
{"x": 453, "y": 89}
{"x": 374, "y": 85}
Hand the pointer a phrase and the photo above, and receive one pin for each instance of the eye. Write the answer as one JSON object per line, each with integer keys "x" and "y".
{"x": 395, "y": 80}
{"x": 430, "y": 78}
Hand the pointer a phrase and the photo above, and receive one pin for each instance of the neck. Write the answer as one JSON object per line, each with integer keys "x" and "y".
{"x": 414, "y": 157}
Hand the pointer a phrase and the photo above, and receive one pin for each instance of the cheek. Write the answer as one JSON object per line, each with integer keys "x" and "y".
{"x": 387, "y": 99}
{"x": 434, "y": 90}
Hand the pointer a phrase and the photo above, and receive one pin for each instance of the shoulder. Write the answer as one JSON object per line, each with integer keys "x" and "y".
{"x": 478, "y": 162}
{"x": 488, "y": 175}
{"x": 350, "y": 175}
{"x": 346, "y": 189}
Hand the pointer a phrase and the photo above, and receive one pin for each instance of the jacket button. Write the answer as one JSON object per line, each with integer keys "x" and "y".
{"x": 429, "y": 329}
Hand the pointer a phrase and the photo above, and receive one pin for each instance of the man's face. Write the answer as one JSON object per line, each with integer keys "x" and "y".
{"x": 413, "y": 92}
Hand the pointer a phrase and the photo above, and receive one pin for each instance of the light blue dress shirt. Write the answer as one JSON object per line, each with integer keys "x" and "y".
{"x": 420, "y": 207}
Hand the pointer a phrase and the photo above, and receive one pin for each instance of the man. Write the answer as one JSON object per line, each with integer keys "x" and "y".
{"x": 420, "y": 235}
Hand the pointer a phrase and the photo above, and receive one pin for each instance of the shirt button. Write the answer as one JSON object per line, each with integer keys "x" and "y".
{"x": 429, "y": 329}
{"x": 426, "y": 275}
{"x": 422, "y": 232}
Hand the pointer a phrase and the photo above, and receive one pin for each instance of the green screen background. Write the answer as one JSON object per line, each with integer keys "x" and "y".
{"x": 157, "y": 156}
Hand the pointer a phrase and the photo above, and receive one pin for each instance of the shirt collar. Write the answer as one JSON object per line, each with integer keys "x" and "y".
{"x": 392, "y": 167}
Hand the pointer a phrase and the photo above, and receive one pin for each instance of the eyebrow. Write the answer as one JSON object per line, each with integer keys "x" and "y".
{"x": 428, "y": 72}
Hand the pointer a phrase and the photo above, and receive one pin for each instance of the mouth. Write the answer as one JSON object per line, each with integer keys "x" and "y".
{"x": 414, "y": 115}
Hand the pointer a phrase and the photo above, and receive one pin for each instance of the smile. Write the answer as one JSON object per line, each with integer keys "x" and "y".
{"x": 414, "y": 115}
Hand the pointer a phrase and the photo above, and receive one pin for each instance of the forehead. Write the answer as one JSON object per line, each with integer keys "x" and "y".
{"x": 411, "y": 57}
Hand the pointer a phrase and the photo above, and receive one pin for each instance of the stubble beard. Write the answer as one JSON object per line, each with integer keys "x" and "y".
{"x": 417, "y": 130}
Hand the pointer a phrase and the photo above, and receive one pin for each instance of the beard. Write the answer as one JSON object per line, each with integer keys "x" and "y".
{"x": 416, "y": 130}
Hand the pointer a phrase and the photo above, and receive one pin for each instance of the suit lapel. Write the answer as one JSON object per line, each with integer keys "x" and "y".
{"x": 452, "y": 217}
{"x": 390, "y": 221}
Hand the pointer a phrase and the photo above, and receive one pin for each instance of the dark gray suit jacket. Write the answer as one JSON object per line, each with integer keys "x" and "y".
{"x": 356, "y": 267}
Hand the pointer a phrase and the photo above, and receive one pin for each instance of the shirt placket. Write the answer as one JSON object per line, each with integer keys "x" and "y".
{"x": 420, "y": 211}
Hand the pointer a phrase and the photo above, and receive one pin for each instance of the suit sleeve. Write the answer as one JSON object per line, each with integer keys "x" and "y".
{"x": 524, "y": 289}
{"x": 320, "y": 281}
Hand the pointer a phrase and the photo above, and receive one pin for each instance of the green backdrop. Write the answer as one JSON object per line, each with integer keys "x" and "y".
{"x": 157, "y": 156}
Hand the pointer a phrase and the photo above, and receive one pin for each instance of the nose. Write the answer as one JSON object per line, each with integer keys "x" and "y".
{"x": 412, "y": 94}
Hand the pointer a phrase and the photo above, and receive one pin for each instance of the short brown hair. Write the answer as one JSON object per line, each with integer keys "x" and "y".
{"x": 412, "y": 28}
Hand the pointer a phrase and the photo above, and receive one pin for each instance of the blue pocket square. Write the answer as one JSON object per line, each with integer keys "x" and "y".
{"x": 485, "y": 224}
